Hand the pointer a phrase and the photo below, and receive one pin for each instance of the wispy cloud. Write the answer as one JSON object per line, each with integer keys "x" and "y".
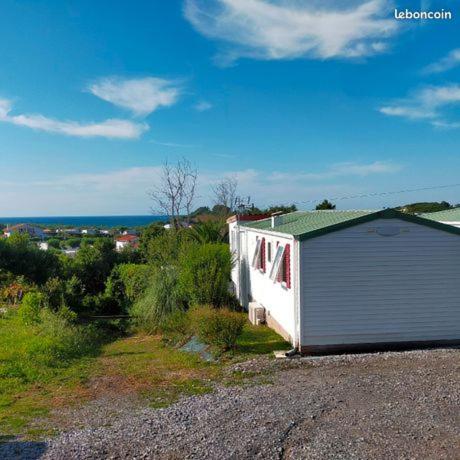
{"x": 290, "y": 29}
{"x": 428, "y": 103}
{"x": 202, "y": 106}
{"x": 448, "y": 62}
{"x": 171, "y": 144}
{"x": 123, "y": 191}
{"x": 141, "y": 96}
{"x": 111, "y": 128}
{"x": 339, "y": 170}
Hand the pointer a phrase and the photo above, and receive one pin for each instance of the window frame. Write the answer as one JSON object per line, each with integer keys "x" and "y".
{"x": 277, "y": 263}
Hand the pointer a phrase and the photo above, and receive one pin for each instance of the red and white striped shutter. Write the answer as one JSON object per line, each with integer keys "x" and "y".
{"x": 287, "y": 265}
{"x": 262, "y": 255}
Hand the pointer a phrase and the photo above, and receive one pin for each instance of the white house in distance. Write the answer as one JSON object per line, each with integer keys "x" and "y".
{"x": 31, "y": 230}
{"x": 124, "y": 241}
{"x": 340, "y": 280}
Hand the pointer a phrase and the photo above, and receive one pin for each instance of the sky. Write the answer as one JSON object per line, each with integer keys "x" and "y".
{"x": 297, "y": 100}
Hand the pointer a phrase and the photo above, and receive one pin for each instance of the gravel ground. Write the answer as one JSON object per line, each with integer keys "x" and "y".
{"x": 375, "y": 406}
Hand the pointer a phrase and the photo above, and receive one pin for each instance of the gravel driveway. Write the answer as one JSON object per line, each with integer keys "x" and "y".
{"x": 375, "y": 406}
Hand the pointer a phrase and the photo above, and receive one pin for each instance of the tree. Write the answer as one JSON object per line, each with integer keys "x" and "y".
{"x": 176, "y": 192}
{"x": 209, "y": 232}
{"x": 422, "y": 207}
{"x": 225, "y": 194}
{"x": 280, "y": 208}
{"x": 325, "y": 204}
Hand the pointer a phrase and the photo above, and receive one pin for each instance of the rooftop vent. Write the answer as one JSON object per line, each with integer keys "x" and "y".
{"x": 277, "y": 219}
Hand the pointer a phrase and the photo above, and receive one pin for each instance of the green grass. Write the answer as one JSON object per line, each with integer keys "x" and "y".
{"x": 141, "y": 365}
{"x": 40, "y": 365}
{"x": 260, "y": 340}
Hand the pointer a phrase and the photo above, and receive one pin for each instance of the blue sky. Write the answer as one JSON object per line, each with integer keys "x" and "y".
{"x": 298, "y": 100}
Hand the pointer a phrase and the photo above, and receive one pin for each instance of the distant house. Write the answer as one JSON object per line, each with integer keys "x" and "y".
{"x": 31, "y": 230}
{"x": 89, "y": 231}
{"x": 43, "y": 245}
{"x": 130, "y": 232}
{"x": 70, "y": 252}
{"x": 69, "y": 231}
{"x": 448, "y": 216}
{"x": 124, "y": 241}
{"x": 341, "y": 280}
{"x": 181, "y": 224}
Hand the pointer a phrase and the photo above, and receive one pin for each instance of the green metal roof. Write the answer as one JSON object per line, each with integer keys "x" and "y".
{"x": 301, "y": 222}
{"x": 448, "y": 215}
{"x": 309, "y": 224}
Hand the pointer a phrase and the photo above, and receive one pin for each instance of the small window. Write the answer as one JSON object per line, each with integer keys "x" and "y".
{"x": 269, "y": 252}
{"x": 256, "y": 256}
{"x": 277, "y": 263}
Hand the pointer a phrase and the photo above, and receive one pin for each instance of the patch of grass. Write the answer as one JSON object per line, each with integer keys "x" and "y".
{"x": 260, "y": 340}
{"x": 40, "y": 366}
{"x": 140, "y": 365}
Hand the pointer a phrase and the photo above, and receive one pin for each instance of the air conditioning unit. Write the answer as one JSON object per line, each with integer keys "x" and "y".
{"x": 256, "y": 313}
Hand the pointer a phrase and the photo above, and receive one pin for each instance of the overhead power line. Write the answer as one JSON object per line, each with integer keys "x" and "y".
{"x": 375, "y": 194}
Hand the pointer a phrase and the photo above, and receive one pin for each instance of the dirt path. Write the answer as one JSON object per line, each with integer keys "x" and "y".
{"x": 385, "y": 406}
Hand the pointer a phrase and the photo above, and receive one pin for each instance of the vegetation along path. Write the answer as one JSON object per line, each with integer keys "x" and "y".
{"x": 383, "y": 406}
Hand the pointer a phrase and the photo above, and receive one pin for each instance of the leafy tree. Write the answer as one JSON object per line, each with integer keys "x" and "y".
{"x": 422, "y": 207}
{"x": 209, "y": 232}
{"x": 164, "y": 250}
{"x": 20, "y": 256}
{"x": 324, "y": 205}
{"x": 147, "y": 235}
{"x": 205, "y": 273}
{"x": 54, "y": 243}
{"x": 72, "y": 243}
{"x": 202, "y": 210}
{"x": 280, "y": 208}
{"x": 93, "y": 264}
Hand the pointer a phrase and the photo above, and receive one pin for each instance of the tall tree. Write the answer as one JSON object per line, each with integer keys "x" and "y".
{"x": 225, "y": 197}
{"x": 176, "y": 192}
{"x": 325, "y": 204}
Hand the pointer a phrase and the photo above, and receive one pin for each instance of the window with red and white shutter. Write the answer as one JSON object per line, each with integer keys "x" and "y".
{"x": 262, "y": 256}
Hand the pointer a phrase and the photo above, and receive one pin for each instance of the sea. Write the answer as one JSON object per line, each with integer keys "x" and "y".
{"x": 86, "y": 221}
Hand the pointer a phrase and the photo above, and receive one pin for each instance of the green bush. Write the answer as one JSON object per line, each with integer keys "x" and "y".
{"x": 135, "y": 279}
{"x": 30, "y": 308}
{"x": 217, "y": 327}
{"x": 205, "y": 273}
{"x": 160, "y": 300}
{"x": 176, "y": 328}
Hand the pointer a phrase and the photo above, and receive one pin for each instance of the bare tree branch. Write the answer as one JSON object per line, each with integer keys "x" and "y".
{"x": 225, "y": 193}
{"x": 176, "y": 192}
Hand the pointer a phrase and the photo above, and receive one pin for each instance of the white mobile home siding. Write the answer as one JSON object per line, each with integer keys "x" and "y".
{"x": 359, "y": 287}
{"x": 275, "y": 297}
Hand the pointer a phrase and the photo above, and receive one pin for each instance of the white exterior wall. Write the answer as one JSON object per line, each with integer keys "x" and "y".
{"x": 275, "y": 297}
{"x": 358, "y": 286}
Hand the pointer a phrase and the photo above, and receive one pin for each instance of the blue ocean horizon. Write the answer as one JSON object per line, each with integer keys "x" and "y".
{"x": 86, "y": 221}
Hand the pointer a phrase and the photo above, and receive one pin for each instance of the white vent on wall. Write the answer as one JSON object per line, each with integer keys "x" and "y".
{"x": 256, "y": 313}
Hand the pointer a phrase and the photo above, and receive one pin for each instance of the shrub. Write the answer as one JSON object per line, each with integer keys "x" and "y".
{"x": 30, "y": 308}
{"x": 205, "y": 273}
{"x": 219, "y": 328}
{"x": 176, "y": 328}
{"x": 135, "y": 279}
{"x": 161, "y": 299}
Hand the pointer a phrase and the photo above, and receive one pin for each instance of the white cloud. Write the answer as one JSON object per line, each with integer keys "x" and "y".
{"x": 428, "y": 103}
{"x": 289, "y": 29}
{"x": 111, "y": 128}
{"x": 141, "y": 96}
{"x": 202, "y": 106}
{"x": 446, "y": 63}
